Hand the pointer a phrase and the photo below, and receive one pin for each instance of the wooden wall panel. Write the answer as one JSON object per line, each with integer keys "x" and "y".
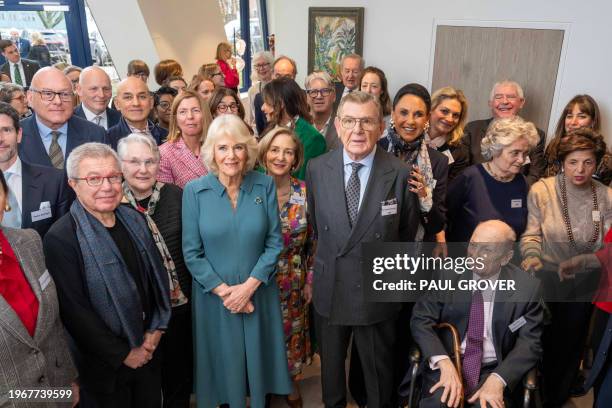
{"x": 474, "y": 58}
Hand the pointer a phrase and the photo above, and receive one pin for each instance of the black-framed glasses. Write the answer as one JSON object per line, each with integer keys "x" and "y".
{"x": 49, "y": 95}
{"x": 366, "y": 123}
{"x": 223, "y": 107}
{"x": 164, "y": 105}
{"x": 96, "y": 181}
{"x": 313, "y": 93}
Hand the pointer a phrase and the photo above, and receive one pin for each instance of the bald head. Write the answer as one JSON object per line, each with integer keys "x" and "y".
{"x": 134, "y": 101}
{"x": 94, "y": 89}
{"x": 284, "y": 67}
{"x": 493, "y": 231}
{"x": 492, "y": 241}
{"x": 51, "y": 97}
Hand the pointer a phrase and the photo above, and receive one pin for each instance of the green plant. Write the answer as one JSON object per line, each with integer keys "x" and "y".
{"x": 50, "y": 19}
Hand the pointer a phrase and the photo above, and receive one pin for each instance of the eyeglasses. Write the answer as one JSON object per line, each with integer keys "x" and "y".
{"x": 96, "y": 181}
{"x": 164, "y": 105}
{"x": 366, "y": 123}
{"x": 49, "y": 95}
{"x": 261, "y": 66}
{"x": 313, "y": 93}
{"x": 223, "y": 107}
{"x": 138, "y": 163}
{"x": 21, "y": 98}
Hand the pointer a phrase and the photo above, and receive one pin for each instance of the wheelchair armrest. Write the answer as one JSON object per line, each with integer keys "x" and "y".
{"x": 530, "y": 381}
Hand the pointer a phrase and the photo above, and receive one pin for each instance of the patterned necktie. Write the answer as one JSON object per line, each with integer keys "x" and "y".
{"x": 55, "y": 151}
{"x": 12, "y": 218}
{"x": 97, "y": 119}
{"x": 17, "y": 75}
{"x": 352, "y": 190}
{"x": 472, "y": 359}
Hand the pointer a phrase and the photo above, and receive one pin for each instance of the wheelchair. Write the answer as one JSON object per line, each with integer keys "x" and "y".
{"x": 530, "y": 393}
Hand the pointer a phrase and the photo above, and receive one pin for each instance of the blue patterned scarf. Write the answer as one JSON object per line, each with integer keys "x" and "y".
{"x": 112, "y": 291}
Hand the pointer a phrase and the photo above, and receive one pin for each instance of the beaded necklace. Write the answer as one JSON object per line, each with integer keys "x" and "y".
{"x": 566, "y": 218}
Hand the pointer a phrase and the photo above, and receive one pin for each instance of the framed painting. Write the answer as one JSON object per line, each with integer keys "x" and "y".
{"x": 333, "y": 32}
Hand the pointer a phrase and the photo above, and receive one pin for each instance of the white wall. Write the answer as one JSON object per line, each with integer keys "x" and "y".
{"x": 398, "y": 38}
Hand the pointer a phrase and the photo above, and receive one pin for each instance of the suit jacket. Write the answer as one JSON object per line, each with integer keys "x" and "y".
{"x": 475, "y": 131}
{"x": 112, "y": 116}
{"x": 516, "y": 352}
{"x": 43, "y": 360}
{"x": 43, "y": 185}
{"x": 337, "y": 292}
{"x": 29, "y": 69}
{"x": 339, "y": 86}
{"x": 80, "y": 131}
{"x": 24, "y": 46}
{"x": 331, "y": 135}
{"x": 122, "y": 129}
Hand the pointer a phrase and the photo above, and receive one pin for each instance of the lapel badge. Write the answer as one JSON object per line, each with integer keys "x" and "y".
{"x": 258, "y": 200}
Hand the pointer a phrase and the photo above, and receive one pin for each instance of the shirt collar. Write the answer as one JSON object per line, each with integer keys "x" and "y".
{"x": 45, "y": 131}
{"x": 90, "y": 115}
{"x": 366, "y": 161}
{"x": 15, "y": 169}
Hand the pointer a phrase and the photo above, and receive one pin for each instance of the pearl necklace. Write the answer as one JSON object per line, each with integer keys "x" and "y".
{"x": 566, "y": 218}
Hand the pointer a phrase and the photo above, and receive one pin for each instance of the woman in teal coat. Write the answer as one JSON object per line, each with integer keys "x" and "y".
{"x": 231, "y": 243}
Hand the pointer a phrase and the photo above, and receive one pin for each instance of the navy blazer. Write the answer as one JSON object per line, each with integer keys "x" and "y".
{"x": 112, "y": 115}
{"x": 43, "y": 185}
{"x": 122, "y": 129}
{"x": 80, "y": 131}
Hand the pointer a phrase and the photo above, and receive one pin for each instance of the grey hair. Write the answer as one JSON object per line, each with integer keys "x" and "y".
{"x": 267, "y": 56}
{"x": 72, "y": 68}
{"x": 353, "y": 56}
{"x": 228, "y": 126}
{"x": 519, "y": 89}
{"x": 92, "y": 150}
{"x": 505, "y": 131}
{"x": 360, "y": 98}
{"x": 137, "y": 138}
{"x": 7, "y": 89}
{"x": 322, "y": 75}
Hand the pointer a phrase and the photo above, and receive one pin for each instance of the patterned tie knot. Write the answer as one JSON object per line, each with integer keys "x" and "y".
{"x": 55, "y": 135}
{"x": 356, "y": 166}
{"x": 97, "y": 119}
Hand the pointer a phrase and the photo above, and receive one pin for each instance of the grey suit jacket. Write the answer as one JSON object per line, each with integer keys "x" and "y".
{"x": 337, "y": 285}
{"x": 44, "y": 360}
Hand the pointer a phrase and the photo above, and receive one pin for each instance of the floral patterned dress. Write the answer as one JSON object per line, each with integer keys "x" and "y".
{"x": 292, "y": 274}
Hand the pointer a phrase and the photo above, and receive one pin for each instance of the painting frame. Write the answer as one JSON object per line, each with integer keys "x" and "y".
{"x": 316, "y": 59}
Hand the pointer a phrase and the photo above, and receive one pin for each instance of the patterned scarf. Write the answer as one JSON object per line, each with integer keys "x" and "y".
{"x": 177, "y": 298}
{"x": 414, "y": 152}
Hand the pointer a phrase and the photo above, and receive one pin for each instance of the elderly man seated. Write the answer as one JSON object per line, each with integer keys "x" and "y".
{"x": 500, "y": 330}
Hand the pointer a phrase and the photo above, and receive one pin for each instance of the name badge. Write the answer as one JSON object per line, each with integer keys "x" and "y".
{"x": 516, "y": 203}
{"x": 41, "y": 214}
{"x": 596, "y": 215}
{"x": 448, "y": 154}
{"x": 297, "y": 199}
{"x": 517, "y": 324}
{"x": 44, "y": 280}
{"x": 388, "y": 207}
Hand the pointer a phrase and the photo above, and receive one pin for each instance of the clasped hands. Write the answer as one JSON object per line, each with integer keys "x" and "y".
{"x": 237, "y": 298}
{"x": 140, "y": 356}
{"x": 491, "y": 392}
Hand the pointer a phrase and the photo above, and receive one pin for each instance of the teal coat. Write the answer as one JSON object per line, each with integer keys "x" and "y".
{"x": 223, "y": 245}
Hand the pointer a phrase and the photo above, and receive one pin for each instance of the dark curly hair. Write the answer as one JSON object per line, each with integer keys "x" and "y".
{"x": 580, "y": 140}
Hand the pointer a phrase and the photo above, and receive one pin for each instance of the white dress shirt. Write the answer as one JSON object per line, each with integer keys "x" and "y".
{"x": 90, "y": 116}
{"x": 15, "y": 182}
{"x": 19, "y": 65}
{"x": 488, "y": 348}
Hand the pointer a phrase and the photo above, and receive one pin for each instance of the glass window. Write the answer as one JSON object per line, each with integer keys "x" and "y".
{"x": 99, "y": 52}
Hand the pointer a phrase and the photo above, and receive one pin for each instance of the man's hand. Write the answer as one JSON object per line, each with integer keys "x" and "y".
{"x": 532, "y": 262}
{"x": 491, "y": 392}
{"x": 151, "y": 340}
{"x": 578, "y": 264}
{"x": 138, "y": 357}
{"x": 449, "y": 380}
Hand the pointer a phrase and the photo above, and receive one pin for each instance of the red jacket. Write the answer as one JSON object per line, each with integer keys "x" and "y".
{"x": 232, "y": 79}
{"x": 605, "y": 288}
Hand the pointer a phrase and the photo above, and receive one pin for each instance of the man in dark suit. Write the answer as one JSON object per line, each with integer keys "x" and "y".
{"x": 500, "y": 329}
{"x": 52, "y": 132}
{"x": 19, "y": 69}
{"x": 506, "y": 100}
{"x": 23, "y": 44}
{"x": 39, "y": 195}
{"x": 356, "y": 194}
{"x": 95, "y": 92}
{"x": 135, "y": 103}
{"x": 350, "y": 72}
{"x": 321, "y": 97}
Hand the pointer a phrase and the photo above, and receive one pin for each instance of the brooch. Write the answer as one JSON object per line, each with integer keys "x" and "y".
{"x": 258, "y": 200}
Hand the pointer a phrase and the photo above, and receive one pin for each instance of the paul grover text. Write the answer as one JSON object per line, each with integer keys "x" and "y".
{"x": 445, "y": 284}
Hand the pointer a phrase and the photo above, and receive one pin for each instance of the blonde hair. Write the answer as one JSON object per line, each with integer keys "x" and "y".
{"x": 174, "y": 132}
{"x": 233, "y": 127}
{"x": 222, "y": 46}
{"x": 449, "y": 92}
{"x": 266, "y": 142}
{"x": 505, "y": 131}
